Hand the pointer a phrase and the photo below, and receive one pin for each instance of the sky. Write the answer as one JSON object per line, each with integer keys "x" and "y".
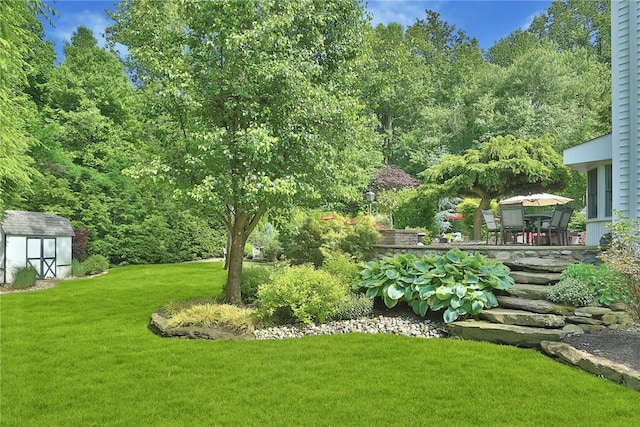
{"x": 486, "y": 20}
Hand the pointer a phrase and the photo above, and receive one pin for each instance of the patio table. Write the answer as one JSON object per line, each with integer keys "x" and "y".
{"x": 537, "y": 218}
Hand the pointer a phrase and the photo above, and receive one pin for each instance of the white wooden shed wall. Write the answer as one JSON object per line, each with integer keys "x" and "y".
{"x": 32, "y": 238}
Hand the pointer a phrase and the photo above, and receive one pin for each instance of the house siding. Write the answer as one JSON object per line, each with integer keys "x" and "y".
{"x": 626, "y": 106}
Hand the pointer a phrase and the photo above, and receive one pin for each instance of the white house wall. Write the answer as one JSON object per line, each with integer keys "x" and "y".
{"x": 2, "y": 257}
{"x": 625, "y": 34}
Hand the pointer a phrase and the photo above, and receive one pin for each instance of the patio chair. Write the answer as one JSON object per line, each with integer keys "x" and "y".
{"x": 491, "y": 224}
{"x": 512, "y": 222}
{"x": 552, "y": 226}
{"x": 563, "y": 226}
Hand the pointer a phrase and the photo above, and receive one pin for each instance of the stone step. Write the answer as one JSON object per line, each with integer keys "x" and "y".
{"x": 522, "y": 336}
{"x": 535, "y": 278}
{"x": 550, "y": 265}
{"x": 528, "y": 291}
{"x": 522, "y": 318}
{"x": 535, "y": 305}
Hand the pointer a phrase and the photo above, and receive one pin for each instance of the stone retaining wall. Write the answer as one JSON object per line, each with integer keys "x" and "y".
{"x": 504, "y": 253}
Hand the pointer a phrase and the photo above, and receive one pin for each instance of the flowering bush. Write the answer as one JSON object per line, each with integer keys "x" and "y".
{"x": 623, "y": 256}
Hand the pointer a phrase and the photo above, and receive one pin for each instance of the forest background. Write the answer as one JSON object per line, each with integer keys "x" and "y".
{"x": 73, "y": 136}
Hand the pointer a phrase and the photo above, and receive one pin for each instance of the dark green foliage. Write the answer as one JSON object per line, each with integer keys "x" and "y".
{"x": 254, "y": 276}
{"x": 307, "y": 239}
{"x": 96, "y": 264}
{"x": 24, "y": 277}
{"x": 462, "y": 284}
{"x": 417, "y": 212}
{"x": 605, "y": 285}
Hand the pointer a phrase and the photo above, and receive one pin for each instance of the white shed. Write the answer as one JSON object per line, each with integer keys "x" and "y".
{"x": 34, "y": 238}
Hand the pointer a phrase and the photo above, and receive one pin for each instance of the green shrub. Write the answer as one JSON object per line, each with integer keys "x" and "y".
{"x": 354, "y": 307}
{"x": 24, "y": 277}
{"x": 417, "y": 211}
{"x": 606, "y": 285}
{"x": 572, "y": 291}
{"x": 266, "y": 238}
{"x": 460, "y": 283}
{"x": 253, "y": 276}
{"x": 78, "y": 268}
{"x": 623, "y": 257}
{"x": 300, "y": 294}
{"x": 308, "y": 239}
{"x": 341, "y": 265}
{"x": 96, "y": 264}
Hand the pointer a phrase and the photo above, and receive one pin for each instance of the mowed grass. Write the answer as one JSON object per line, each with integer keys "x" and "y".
{"x": 80, "y": 354}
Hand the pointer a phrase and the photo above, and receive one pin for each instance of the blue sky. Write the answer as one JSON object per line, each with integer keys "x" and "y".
{"x": 486, "y": 20}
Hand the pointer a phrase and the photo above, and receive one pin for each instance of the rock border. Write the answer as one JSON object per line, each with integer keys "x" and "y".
{"x": 599, "y": 366}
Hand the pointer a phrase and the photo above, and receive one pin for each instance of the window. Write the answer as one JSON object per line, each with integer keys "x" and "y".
{"x": 592, "y": 193}
{"x": 608, "y": 189}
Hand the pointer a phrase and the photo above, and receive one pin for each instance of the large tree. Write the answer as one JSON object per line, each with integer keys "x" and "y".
{"x": 502, "y": 166}
{"x": 19, "y": 37}
{"x": 258, "y": 97}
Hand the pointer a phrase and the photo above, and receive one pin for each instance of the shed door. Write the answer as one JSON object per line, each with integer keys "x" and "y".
{"x": 41, "y": 254}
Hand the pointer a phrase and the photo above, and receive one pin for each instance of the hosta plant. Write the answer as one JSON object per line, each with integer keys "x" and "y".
{"x": 460, "y": 283}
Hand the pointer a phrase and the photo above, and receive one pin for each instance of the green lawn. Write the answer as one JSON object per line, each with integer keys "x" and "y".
{"x": 80, "y": 354}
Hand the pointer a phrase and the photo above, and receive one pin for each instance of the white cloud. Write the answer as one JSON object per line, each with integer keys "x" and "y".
{"x": 67, "y": 24}
{"x": 404, "y": 12}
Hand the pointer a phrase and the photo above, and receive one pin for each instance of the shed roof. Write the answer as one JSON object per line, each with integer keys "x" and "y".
{"x": 23, "y": 223}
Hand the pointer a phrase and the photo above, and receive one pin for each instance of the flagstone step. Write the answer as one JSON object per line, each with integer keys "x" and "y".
{"x": 522, "y": 318}
{"x": 535, "y": 278}
{"x": 528, "y": 291}
{"x": 522, "y": 336}
{"x": 535, "y": 305}
{"x": 550, "y": 265}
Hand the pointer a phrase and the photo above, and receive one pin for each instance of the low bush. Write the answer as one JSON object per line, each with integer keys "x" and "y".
{"x": 300, "y": 294}
{"x": 354, "y": 307}
{"x": 24, "y": 277}
{"x": 221, "y": 315}
{"x": 606, "y": 285}
{"x": 623, "y": 257}
{"x": 309, "y": 237}
{"x": 253, "y": 276}
{"x": 460, "y": 283}
{"x": 96, "y": 264}
{"x": 78, "y": 268}
{"x": 341, "y": 266}
{"x": 572, "y": 291}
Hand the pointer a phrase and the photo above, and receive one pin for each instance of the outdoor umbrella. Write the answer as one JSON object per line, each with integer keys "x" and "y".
{"x": 541, "y": 199}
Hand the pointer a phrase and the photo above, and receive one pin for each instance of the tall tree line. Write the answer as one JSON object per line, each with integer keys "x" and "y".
{"x": 304, "y": 110}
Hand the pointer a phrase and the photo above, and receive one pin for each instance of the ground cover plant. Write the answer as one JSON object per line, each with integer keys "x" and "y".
{"x": 458, "y": 282}
{"x": 81, "y": 354}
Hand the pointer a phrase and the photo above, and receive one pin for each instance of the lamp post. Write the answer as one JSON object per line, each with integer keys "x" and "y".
{"x": 370, "y": 196}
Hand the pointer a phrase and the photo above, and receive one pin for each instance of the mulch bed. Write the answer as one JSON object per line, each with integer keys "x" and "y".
{"x": 620, "y": 346}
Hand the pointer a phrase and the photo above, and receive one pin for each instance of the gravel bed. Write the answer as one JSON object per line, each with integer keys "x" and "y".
{"x": 404, "y": 326}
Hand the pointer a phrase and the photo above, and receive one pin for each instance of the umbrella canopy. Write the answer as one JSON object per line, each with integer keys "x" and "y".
{"x": 541, "y": 199}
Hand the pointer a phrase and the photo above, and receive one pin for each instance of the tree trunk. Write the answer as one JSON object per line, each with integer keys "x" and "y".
{"x": 235, "y": 257}
{"x": 485, "y": 203}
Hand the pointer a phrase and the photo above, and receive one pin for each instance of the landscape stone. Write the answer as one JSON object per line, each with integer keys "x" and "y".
{"x": 536, "y": 278}
{"x": 529, "y": 291}
{"x": 523, "y": 336}
{"x": 592, "y": 328}
{"x": 533, "y": 305}
{"x": 522, "y": 318}
{"x": 583, "y": 320}
{"x": 615, "y": 372}
{"x": 617, "y": 318}
{"x": 619, "y": 306}
{"x": 552, "y": 265}
{"x": 573, "y": 329}
{"x": 597, "y": 312}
